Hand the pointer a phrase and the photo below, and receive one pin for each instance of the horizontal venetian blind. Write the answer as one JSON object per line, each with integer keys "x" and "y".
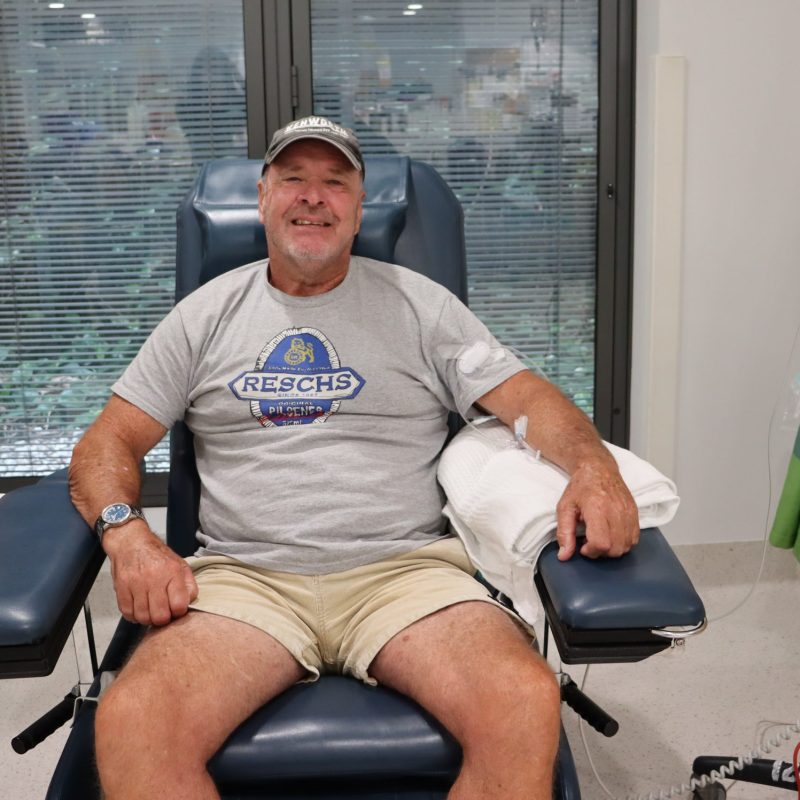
{"x": 106, "y": 111}
{"x": 501, "y": 97}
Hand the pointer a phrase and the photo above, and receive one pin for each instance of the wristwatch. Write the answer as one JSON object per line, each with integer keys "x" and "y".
{"x": 115, "y": 515}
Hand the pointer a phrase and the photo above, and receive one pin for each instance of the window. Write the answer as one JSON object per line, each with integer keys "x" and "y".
{"x": 502, "y": 98}
{"x": 105, "y": 115}
{"x": 106, "y": 110}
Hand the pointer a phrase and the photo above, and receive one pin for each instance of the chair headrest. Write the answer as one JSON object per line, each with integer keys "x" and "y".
{"x": 224, "y": 204}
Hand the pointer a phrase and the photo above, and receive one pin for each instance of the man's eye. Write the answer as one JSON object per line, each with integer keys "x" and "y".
{"x": 335, "y": 182}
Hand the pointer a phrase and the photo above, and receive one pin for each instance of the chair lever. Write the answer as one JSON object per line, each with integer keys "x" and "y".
{"x": 586, "y": 708}
{"x": 46, "y": 724}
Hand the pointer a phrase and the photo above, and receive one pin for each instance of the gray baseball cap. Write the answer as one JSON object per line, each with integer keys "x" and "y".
{"x": 317, "y": 128}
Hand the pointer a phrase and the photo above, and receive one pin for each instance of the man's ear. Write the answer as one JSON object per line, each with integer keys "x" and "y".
{"x": 360, "y": 211}
{"x": 262, "y": 199}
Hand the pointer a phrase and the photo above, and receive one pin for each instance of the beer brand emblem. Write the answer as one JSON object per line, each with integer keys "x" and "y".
{"x": 297, "y": 380}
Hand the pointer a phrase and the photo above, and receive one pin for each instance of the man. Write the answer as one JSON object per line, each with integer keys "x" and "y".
{"x": 321, "y": 526}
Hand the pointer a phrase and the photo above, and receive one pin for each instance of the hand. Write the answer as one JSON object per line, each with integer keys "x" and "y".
{"x": 597, "y": 496}
{"x": 153, "y": 584}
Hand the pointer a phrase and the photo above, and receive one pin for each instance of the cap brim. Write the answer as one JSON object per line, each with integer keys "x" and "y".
{"x": 351, "y": 157}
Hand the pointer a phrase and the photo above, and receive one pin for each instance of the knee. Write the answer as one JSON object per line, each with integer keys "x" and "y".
{"x": 521, "y": 698}
{"x": 135, "y": 721}
{"x": 111, "y": 738}
{"x": 540, "y": 693}
{"x": 117, "y": 725}
{"x": 535, "y": 692}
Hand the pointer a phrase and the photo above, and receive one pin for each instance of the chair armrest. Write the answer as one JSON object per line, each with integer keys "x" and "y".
{"x": 617, "y": 609}
{"x": 49, "y": 558}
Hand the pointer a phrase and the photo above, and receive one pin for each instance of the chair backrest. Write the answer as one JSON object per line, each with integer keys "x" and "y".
{"x": 411, "y": 217}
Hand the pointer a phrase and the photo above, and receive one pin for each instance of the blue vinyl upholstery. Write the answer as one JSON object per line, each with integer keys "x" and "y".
{"x": 652, "y": 590}
{"x": 39, "y": 525}
{"x": 408, "y": 212}
{"x": 610, "y": 610}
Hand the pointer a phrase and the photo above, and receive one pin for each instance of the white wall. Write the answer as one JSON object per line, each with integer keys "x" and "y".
{"x": 739, "y": 274}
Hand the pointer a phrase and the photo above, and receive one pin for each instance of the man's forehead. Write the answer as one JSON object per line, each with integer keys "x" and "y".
{"x": 294, "y": 155}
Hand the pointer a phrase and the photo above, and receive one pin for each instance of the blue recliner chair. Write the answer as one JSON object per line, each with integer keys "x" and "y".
{"x": 336, "y": 738}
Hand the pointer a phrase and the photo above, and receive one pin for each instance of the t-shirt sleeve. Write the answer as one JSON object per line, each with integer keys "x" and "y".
{"x": 467, "y": 358}
{"x": 157, "y": 380}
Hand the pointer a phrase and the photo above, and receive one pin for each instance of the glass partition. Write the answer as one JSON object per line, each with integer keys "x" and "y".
{"x": 502, "y": 98}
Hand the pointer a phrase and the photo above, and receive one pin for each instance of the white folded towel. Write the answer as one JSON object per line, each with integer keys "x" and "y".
{"x": 501, "y": 501}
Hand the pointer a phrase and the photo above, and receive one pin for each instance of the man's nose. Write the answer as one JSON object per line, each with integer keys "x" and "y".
{"x": 312, "y": 194}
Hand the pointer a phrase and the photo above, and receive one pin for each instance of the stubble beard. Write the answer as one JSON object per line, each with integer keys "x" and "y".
{"x": 305, "y": 256}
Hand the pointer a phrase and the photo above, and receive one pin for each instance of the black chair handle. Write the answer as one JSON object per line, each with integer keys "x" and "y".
{"x": 588, "y": 709}
{"x": 48, "y": 723}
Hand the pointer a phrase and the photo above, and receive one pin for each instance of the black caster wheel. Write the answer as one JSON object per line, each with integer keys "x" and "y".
{"x": 714, "y": 791}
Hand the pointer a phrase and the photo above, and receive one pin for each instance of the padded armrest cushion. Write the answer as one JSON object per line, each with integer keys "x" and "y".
{"x": 49, "y": 559}
{"x": 610, "y": 610}
{"x": 647, "y": 588}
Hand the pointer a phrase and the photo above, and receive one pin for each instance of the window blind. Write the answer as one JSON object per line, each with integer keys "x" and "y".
{"x": 106, "y": 111}
{"x": 501, "y": 97}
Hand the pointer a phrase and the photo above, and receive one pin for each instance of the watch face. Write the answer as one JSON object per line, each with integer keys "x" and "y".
{"x": 116, "y": 513}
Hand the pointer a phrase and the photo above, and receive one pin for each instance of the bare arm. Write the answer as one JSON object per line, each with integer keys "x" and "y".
{"x": 152, "y": 583}
{"x": 596, "y": 493}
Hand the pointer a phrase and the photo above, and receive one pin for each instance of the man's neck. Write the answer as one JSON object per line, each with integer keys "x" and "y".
{"x": 305, "y": 282}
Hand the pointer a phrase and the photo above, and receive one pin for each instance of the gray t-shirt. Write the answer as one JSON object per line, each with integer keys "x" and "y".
{"x": 318, "y": 421}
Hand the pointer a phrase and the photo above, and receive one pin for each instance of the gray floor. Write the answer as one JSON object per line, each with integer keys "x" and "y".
{"x": 707, "y": 699}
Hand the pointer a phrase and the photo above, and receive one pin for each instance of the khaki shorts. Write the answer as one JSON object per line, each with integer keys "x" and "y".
{"x": 340, "y": 621}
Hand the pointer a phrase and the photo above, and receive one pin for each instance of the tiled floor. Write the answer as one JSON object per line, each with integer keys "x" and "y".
{"x": 707, "y": 699}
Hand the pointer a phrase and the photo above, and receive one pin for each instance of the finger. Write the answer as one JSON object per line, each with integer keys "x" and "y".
{"x": 629, "y": 529}
{"x": 637, "y": 532}
{"x": 190, "y": 582}
{"x": 633, "y": 524}
{"x": 178, "y": 595}
{"x": 592, "y": 550}
{"x": 125, "y": 602}
{"x": 158, "y": 603}
{"x": 565, "y": 533}
{"x": 599, "y": 541}
{"x": 141, "y": 606}
{"x": 610, "y": 537}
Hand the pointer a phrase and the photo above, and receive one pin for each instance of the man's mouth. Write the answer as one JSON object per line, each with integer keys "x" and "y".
{"x": 316, "y": 223}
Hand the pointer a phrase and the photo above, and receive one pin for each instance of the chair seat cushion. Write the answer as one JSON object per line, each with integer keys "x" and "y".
{"x": 336, "y": 728}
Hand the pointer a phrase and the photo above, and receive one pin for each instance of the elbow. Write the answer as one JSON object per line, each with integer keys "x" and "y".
{"x": 75, "y": 471}
{"x": 81, "y": 480}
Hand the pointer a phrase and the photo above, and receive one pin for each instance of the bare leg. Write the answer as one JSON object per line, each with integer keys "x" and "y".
{"x": 186, "y": 688}
{"x": 471, "y": 667}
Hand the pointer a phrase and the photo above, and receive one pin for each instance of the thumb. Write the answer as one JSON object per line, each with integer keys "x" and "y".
{"x": 565, "y": 534}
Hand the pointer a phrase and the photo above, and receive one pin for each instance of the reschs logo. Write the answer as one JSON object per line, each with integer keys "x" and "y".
{"x": 297, "y": 380}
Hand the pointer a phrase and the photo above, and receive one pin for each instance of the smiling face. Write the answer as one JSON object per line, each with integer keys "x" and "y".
{"x": 309, "y": 202}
